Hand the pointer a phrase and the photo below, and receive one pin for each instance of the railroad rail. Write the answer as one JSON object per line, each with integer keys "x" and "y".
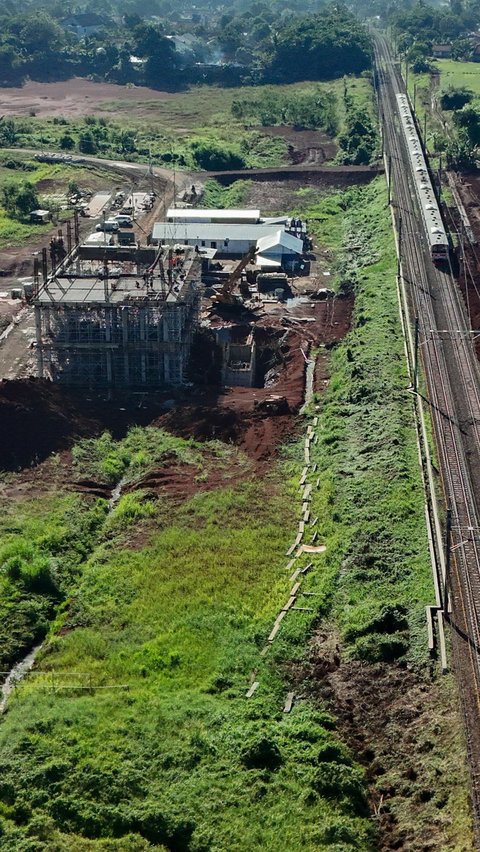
{"x": 453, "y": 385}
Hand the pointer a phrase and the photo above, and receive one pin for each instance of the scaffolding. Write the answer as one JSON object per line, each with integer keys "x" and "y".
{"x": 117, "y": 317}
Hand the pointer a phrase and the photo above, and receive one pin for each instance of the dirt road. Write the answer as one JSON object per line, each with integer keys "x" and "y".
{"x": 17, "y": 357}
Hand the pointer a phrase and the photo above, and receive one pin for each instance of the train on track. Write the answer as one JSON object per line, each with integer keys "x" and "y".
{"x": 437, "y": 236}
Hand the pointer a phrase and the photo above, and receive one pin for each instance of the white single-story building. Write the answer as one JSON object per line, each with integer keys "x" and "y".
{"x": 208, "y": 215}
{"x": 279, "y": 251}
{"x": 228, "y": 240}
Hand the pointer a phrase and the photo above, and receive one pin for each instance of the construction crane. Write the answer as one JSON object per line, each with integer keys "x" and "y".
{"x": 226, "y": 296}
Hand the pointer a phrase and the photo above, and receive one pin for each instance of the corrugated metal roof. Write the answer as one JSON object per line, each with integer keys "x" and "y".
{"x": 211, "y": 213}
{"x": 280, "y": 238}
{"x": 216, "y": 232}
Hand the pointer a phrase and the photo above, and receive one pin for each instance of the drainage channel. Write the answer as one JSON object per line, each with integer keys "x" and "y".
{"x": 22, "y": 668}
{"x": 17, "y": 674}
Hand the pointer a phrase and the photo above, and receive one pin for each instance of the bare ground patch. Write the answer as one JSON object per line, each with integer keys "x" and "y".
{"x": 403, "y": 727}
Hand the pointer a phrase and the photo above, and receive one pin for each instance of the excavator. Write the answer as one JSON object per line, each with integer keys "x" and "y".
{"x": 226, "y": 295}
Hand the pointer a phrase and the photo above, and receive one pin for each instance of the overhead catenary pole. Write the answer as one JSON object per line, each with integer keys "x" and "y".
{"x": 389, "y": 179}
{"x": 399, "y": 259}
{"x": 415, "y": 362}
{"x": 448, "y": 552}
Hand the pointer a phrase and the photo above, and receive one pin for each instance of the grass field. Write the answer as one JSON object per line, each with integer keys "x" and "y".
{"x": 180, "y": 758}
{"x": 454, "y": 73}
{"x": 440, "y": 124}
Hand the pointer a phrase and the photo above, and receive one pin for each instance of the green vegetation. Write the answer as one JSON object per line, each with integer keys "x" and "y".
{"x": 63, "y": 179}
{"x": 175, "y": 602}
{"x": 459, "y": 74}
{"x": 320, "y": 47}
{"x": 453, "y": 98}
{"x": 206, "y": 127}
{"x": 110, "y": 461}
{"x": 453, "y": 123}
{"x": 216, "y": 195}
{"x": 316, "y": 110}
{"x": 359, "y": 141}
{"x": 20, "y": 199}
{"x": 417, "y": 27}
{"x": 255, "y": 46}
{"x": 181, "y": 623}
{"x": 371, "y": 515}
{"x": 43, "y": 545}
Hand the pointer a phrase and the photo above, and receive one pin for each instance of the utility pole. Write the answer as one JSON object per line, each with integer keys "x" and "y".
{"x": 415, "y": 363}
{"x": 389, "y": 179}
{"x": 448, "y": 551}
{"x": 399, "y": 261}
{"x": 415, "y": 96}
{"x": 425, "y": 130}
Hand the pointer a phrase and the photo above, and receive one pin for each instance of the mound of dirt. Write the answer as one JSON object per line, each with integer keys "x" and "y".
{"x": 38, "y": 418}
{"x": 304, "y": 146}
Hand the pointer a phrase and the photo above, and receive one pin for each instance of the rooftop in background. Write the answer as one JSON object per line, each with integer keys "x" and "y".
{"x": 196, "y": 214}
{"x": 176, "y": 232}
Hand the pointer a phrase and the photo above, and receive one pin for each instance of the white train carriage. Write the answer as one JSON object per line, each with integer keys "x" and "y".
{"x": 432, "y": 217}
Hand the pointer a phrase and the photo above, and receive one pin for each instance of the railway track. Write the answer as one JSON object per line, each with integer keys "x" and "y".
{"x": 453, "y": 384}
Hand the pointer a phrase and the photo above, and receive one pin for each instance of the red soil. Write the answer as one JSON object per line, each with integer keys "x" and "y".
{"x": 38, "y": 418}
{"x": 75, "y": 97}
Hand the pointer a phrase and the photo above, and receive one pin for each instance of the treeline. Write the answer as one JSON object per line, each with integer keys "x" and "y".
{"x": 419, "y": 27}
{"x": 256, "y": 46}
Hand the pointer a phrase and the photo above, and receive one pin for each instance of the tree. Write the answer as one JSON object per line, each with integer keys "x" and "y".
{"x": 211, "y": 157}
{"x": 8, "y": 133}
{"x": 67, "y": 142}
{"x": 10, "y": 65}
{"x": 468, "y": 120}
{"x": 41, "y": 34}
{"x": 86, "y": 143}
{"x": 455, "y": 97}
{"x": 320, "y": 47}
{"x": 20, "y": 199}
{"x": 461, "y": 155}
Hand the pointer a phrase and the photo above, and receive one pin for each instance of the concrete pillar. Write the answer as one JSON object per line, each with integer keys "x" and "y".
{"x": 125, "y": 341}
{"x": 108, "y": 339}
{"x": 143, "y": 360}
{"x": 166, "y": 355}
{"x": 38, "y": 335}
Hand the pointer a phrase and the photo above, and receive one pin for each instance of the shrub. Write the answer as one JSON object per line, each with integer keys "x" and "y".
{"x": 455, "y": 98}
{"x": 262, "y": 753}
{"x": 211, "y": 157}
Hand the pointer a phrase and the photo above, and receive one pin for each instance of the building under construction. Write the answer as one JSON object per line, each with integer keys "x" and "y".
{"x": 115, "y": 316}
